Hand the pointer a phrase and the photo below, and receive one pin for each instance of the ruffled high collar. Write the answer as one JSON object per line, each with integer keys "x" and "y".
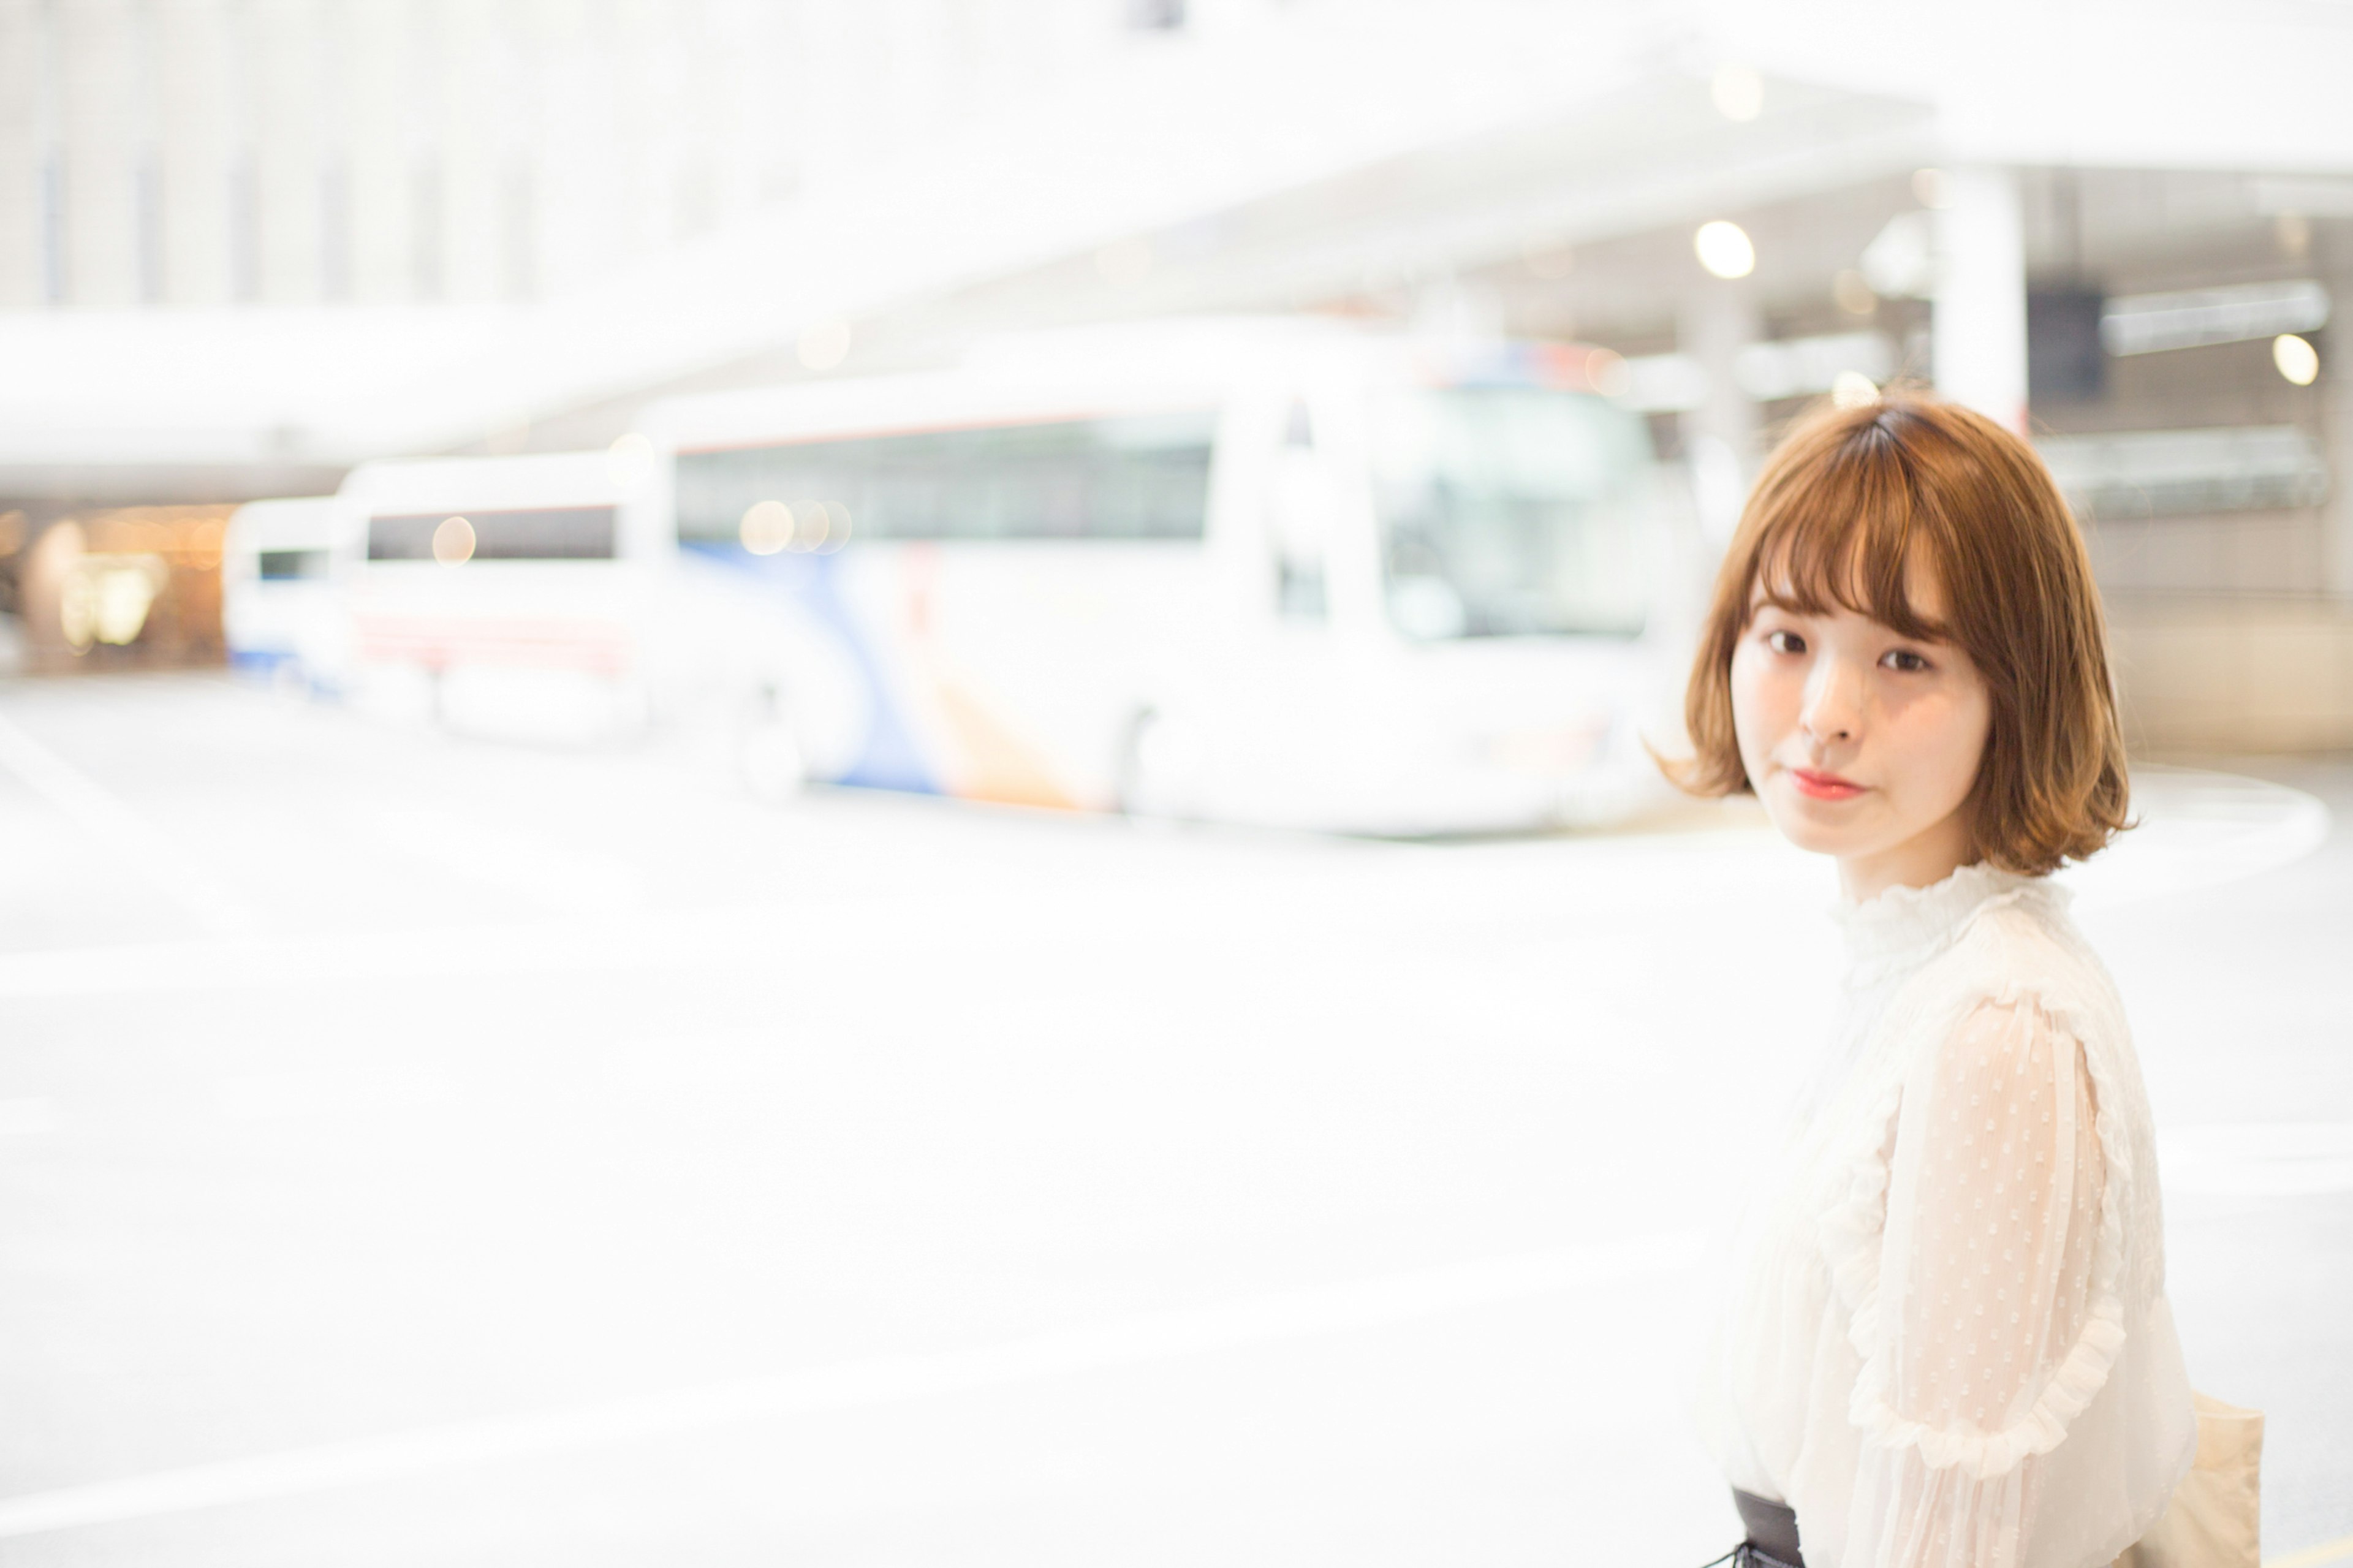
{"x": 1902, "y": 927}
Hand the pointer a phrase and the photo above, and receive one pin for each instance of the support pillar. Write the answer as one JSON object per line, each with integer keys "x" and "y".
{"x": 475, "y": 110}
{"x": 387, "y": 94}
{"x": 288, "y": 166}
{"x": 1716, "y": 322}
{"x": 2337, "y": 417}
{"x": 197, "y": 150}
{"x": 1979, "y": 331}
{"x": 23, "y": 157}
{"x": 101, "y": 145}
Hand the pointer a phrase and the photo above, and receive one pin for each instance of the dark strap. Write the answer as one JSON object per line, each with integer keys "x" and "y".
{"x": 1746, "y": 1556}
{"x": 1772, "y": 1530}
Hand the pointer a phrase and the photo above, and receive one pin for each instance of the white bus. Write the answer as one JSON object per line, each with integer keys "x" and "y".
{"x": 1285, "y": 573}
{"x": 516, "y": 596}
{"x": 281, "y": 616}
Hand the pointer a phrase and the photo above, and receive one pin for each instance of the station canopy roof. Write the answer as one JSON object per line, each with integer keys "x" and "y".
{"x": 1388, "y": 133}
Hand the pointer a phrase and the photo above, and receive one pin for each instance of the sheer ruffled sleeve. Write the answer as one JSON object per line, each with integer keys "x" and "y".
{"x": 1994, "y": 1320}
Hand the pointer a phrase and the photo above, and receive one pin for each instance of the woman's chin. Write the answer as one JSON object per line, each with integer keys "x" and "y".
{"x": 1814, "y": 831}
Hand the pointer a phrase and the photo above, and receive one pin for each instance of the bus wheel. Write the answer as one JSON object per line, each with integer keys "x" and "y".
{"x": 769, "y": 755}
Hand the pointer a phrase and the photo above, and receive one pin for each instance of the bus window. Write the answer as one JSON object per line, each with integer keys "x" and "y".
{"x": 539, "y": 534}
{"x": 1512, "y": 510}
{"x": 289, "y": 565}
{"x": 1135, "y": 477}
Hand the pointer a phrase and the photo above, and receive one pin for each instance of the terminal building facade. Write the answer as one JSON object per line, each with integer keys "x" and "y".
{"x": 245, "y": 244}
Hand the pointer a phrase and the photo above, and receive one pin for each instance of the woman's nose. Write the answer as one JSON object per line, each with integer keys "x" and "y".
{"x": 1833, "y": 709}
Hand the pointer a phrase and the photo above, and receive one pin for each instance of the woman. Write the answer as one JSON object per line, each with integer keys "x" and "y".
{"x": 1944, "y": 1341}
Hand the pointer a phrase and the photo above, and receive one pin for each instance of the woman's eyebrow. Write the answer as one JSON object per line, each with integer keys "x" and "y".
{"x": 1932, "y": 632}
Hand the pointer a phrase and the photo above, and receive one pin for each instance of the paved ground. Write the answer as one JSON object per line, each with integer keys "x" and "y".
{"x": 414, "y": 1151}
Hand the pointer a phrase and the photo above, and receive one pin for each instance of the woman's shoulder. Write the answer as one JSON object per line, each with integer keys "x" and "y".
{"x": 2022, "y": 974}
{"x": 2019, "y": 950}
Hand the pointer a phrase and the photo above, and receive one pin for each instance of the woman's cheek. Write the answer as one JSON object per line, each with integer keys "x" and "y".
{"x": 1975, "y": 719}
{"x": 1954, "y": 747}
{"x": 1752, "y": 706}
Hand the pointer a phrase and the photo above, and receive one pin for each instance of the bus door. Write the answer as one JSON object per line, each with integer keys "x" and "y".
{"x": 1296, "y": 701}
{"x": 1299, "y": 503}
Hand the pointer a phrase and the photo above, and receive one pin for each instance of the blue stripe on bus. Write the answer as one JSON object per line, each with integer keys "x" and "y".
{"x": 259, "y": 660}
{"x": 890, "y": 758}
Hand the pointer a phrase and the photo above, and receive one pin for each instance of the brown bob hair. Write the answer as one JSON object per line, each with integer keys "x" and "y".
{"x": 1845, "y": 502}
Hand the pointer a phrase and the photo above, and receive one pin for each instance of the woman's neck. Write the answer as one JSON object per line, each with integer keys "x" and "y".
{"x": 1920, "y": 861}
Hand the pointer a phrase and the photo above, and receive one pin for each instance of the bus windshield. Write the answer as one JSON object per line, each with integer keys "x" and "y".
{"x": 1510, "y": 511}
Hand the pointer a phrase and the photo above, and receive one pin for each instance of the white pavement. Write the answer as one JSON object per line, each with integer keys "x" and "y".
{"x": 416, "y": 1151}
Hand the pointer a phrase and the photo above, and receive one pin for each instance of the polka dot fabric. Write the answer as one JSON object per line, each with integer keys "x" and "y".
{"x": 1947, "y": 1343}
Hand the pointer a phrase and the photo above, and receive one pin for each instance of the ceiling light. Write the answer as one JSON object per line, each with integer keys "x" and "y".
{"x": 2297, "y": 360}
{"x": 1723, "y": 248}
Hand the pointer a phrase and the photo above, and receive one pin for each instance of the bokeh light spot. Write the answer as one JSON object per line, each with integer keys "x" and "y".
{"x": 767, "y": 527}
{"x": 810, "y": 525}
{"x": 453, "y": 541}
{"x": 1853, "y": 389}
{"x": 1723, "y": 248}
{"x": 837, "y": 533}
{"x": 2297, "y": 360}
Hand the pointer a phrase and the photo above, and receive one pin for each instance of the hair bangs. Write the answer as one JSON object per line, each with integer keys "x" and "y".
{"x": 1849, "y": 535}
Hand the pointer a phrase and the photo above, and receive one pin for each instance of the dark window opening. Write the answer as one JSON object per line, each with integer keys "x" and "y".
{"x": 548, "y": 533}
{"x": 287, "y": 565}
{"x": 1133, "y": 476}
{"x": 1155, "y": 15}
{"x": 2064, "y": 360}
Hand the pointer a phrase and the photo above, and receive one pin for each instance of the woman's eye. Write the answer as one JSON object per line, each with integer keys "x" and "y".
{"x": 1904, "y": 659}
{"x": 1785, "y": 642}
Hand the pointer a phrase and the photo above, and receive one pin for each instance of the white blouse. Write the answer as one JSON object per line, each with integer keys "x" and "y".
{"x": 1944, "y": 1338}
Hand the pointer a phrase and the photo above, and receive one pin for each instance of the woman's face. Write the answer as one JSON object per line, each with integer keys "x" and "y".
{"x": 1862, "y": 743}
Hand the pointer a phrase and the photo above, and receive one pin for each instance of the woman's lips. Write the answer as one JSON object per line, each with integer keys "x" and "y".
{"x": 1823, "y": 786}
